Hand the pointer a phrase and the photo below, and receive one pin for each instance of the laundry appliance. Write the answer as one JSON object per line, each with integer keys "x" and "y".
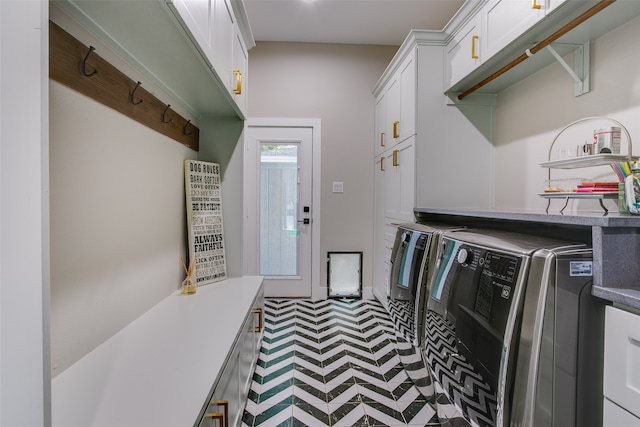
{"x": 411, "y": 263}
{"x": 513, "y": 336}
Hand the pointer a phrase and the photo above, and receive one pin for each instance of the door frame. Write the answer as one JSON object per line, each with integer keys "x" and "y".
{"x": 250, "y": 230}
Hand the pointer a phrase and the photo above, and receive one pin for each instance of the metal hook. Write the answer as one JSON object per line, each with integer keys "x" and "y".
{"x": 164, "y": 113}
{"x": 83, "y": 64}
{"x": 132, "y": 94}
{"x": 184, "y": 129}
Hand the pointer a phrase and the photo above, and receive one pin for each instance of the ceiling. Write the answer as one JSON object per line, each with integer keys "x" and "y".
{"x": 382, "y": 22}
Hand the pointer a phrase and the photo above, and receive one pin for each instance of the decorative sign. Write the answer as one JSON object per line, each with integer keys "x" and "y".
{"x": 204, "y": 221}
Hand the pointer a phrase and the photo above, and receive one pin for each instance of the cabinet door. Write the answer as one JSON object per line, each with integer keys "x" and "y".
{"x": 380, "y": 121}
{"x": 196, "y": 15}
{"x": 222, "y": 34}
{"x": 622, "y": 359}
{"x": 407, "y": 166}
{"x": 615, "y": 416}
{"x": 379, "y": 285}
{"x": 392, "y": 104}
{"x": 463, "y": 52}
{"x": 239, "y": 76}
{"x": 400, "y": 181}
{"x": 227, "y": 395}
{"x": 504, "y": 20}
{"x": 408, "y": 95}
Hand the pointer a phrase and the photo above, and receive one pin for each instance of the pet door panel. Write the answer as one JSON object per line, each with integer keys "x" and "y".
{"x": 344, "y": 274}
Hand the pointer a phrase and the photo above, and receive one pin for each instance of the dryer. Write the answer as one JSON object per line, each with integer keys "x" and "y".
{"x": 513, "y": 336}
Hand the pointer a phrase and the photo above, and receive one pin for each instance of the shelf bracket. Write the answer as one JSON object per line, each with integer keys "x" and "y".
{"x": 581, "y": 72}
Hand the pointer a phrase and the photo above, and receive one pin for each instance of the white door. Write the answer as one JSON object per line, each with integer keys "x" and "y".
{"x": 279, "y": 208}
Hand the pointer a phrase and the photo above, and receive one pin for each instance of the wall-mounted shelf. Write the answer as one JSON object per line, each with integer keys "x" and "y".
{"x": 606, "y": 20}
{"x": 586, "y": 161}
{"x": 148, "y": 35}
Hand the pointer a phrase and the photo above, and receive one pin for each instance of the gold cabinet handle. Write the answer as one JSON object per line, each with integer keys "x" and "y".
{"x": 216, "y": 416}
{"x": 382, "y": 139}
{"x": 225, "y": 404}
{"x": 535, "y": 5}
{"x": 395, "y": 158}
{"x": 222, "y": 417}
{"x": 381, "y": 164}
{"x": 395, "y": 129}
{"x": 258, "y": 311}
{"x": 394, "y": 224}
{"x": 238, "y": 89}
{"x": 474, "y": 40}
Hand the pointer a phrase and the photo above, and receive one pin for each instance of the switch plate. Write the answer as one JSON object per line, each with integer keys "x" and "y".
{"x": 338, "y": 187}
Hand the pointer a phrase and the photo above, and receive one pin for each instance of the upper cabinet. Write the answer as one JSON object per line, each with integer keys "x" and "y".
{"x": 489, "y": 38}
{"x": 464, "y": 52}
{"x": 185, "y": 47}
{"x": 395, "y": 108}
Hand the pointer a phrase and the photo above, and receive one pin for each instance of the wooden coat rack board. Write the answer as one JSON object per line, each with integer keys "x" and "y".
{"x": 77, "y": 66}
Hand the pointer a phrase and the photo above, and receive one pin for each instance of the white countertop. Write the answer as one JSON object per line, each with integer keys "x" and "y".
{"x": 159, "y": 369}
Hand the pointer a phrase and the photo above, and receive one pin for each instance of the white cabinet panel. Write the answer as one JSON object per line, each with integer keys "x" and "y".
{"x": 400, "y": 181}
{"x": 379, "y": 286}
{"x": 380, "y": 122}
{"x": 504, "y": 20}
{"x": 408, "y": 98}
{"x": 615, "y": 416}
{"x": 222, "y": 33}
{"x": 622, "y": 359}
{"x": 239, "y": 72}
{"x": 463, "y": 52}
{"x": 196, "y": 14}
{"x": 393, "y": 111}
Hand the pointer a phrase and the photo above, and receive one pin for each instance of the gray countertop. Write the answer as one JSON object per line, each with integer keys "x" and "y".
{"x": 615, "y": 239}
{"x": 587, "y": 219}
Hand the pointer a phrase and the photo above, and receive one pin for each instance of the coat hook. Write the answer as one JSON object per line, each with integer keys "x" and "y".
{"x": 164, "y": 113}
{"x": 83, "y": 64}
{"x": 131, "y": 96}
{"x": 184, "y": 129}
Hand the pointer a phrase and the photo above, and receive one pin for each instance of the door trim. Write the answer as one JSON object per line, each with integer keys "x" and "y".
{"x": 249, "y": 229}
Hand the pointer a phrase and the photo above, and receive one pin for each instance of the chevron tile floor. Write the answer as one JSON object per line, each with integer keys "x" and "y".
{"x": 332, "y": 363}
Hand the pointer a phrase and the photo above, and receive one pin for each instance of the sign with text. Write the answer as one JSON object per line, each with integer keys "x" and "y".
{"x": 204, "y": 221}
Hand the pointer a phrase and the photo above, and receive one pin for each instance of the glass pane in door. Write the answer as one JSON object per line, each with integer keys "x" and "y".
{"x": 278, "y": 210}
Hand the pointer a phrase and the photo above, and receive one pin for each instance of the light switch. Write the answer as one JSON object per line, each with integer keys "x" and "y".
{"x": 338, "y": 187}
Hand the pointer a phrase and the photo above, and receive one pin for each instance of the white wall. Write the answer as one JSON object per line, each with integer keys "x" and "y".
{"x": 333, "y": 83}
{"x": 532, "y": 112}
{"x": 24, "y": 247}
{"x": 118, "y": 221}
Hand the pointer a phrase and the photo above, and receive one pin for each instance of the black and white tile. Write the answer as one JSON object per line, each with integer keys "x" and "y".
{"x": 332, "y": 363}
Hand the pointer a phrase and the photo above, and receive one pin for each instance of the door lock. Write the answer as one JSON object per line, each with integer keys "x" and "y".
{"x": 304, "y": 221}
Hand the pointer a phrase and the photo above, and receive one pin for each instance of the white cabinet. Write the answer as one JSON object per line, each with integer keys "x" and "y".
{"x": 239, "y": 71}
{"x": 380, "y": 123}
{"x": 379, "y": 287}
{"x": 464, "y": 53}
{"x": 615, "y": 416}
{"x": 408, "y": 94}
{"x": 196, "y": 16}
{"x": 171, "y": 366}
{"x": 214, "y": 27}
{"x": 421, "y": 166}
{"x": 228, "y": 400}
{"x": 395, "y": 109}
{"x": 504, "y": 20}
{"x": 400, "y": 181}
{"x": 621, "y": 368}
